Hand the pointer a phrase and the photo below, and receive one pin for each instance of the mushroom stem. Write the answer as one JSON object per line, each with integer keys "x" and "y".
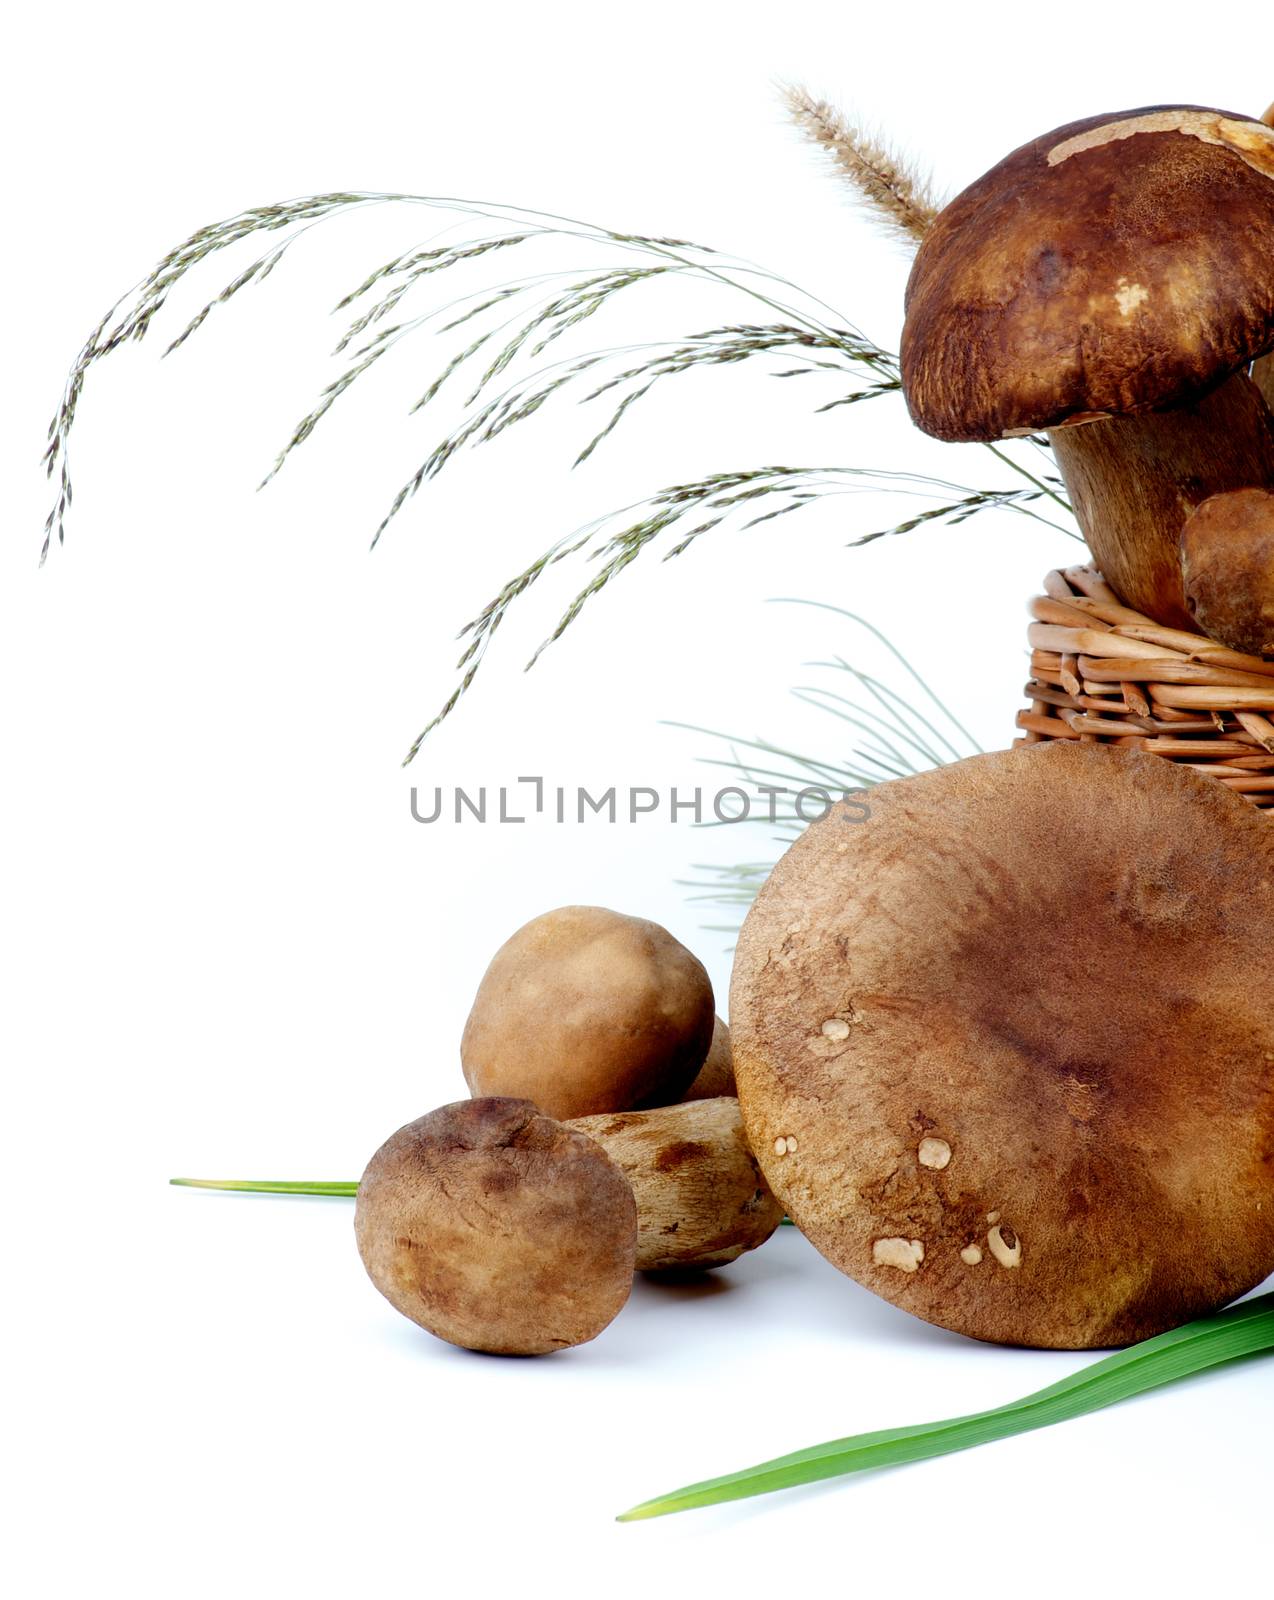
{"x": 701, "y": 1199}
{"x": 1134, "y": 481}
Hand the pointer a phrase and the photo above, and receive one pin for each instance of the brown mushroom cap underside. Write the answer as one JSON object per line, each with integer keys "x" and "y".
{"x": 585, "y": 1010}
{"x": 1119, "y": 264}
{"x": 1017, "y": 1029}
{"x": 497, "y": 1228}
{"x": 701, "y": 1198}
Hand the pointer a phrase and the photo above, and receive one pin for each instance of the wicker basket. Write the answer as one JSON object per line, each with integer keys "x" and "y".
{"x": 1104, "y": 673}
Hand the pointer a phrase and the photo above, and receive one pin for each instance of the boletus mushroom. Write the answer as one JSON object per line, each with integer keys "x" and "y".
{"x": 1005, "y": 1050}
{"x": 1227, "y": 564}
{"x": 585, "y": 1010}
{"x": 701, "y": 1198}
{"x": 497, "y": 1228}
{"x": 1110, "y": 283}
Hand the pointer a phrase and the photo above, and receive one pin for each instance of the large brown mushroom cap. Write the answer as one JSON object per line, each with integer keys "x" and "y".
{"x": 586, "y": 1010}
{"x": 1015, "y": 1035}
{"x": 1120, "y": 264}
{"x": 498, "y": 1229}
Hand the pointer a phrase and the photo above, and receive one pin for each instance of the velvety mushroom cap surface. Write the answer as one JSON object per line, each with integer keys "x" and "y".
{"x": 586, "y": 1010}
{"x": 1119, "y": 264}
{"x": 1227, "y": 562}
{"x": 1013, "y": 1034}
{"x": 498, "y": 1229}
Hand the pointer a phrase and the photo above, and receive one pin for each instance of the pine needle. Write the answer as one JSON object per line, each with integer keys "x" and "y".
{"x": 1243, "y": 1330}
{"x": 897, "y": 196}
{"x": 892, "y": 737}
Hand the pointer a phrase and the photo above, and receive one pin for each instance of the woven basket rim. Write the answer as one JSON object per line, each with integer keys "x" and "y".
{"x": 1103, "y": 673}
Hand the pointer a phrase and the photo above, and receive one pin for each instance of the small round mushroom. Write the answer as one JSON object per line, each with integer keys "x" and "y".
{"x": 497, "y": 1228}
{"x": 716, "y": 1075}
{"x": 1017, "y": 1028}
{"x": 585, "y": 1010}
{"x": 1110, "y": 282}
{"x": 1227, "y": 562}
{"x": 701, "y": 1199}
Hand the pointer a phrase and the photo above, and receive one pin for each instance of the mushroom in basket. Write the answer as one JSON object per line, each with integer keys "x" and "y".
{"x": 1110, "y": 284}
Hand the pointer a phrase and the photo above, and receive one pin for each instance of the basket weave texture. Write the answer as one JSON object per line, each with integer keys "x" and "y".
{"x": 1105, "y": 674}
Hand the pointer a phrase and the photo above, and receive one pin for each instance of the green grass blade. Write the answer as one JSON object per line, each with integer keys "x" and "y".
{"x": 1241, "y": 1331}
{"x": 338, "y": 1188}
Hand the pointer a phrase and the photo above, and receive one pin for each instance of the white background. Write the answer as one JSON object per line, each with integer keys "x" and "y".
{"x": 229, "y": 950}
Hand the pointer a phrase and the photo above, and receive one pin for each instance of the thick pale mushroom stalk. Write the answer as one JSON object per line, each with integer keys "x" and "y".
{"x": 701, "y": 1199}
{"x": 1135, "y": 482}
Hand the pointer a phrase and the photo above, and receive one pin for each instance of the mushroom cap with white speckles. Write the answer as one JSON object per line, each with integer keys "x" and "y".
{"x": 1120, "y": 264}
{"x": 1059, "y": 961}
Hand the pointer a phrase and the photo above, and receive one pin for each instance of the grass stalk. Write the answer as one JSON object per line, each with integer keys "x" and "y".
{"x": 510, "y": 326}
{"x": 1244, "y": 1330}
{"x": 336, "y": 1188}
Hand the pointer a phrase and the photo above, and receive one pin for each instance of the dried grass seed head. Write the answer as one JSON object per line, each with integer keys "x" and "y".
{"x": 897, "y": 196}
